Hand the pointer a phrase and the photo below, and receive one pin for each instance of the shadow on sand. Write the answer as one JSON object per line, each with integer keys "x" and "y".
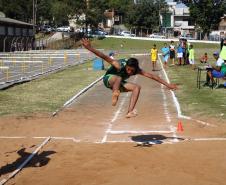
{"x": 38, "y": 160}
{"x": 149, "y": 140}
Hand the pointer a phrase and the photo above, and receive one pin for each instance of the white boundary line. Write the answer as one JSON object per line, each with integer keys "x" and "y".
{"x": 168, "y": 118}
{"x": 25, "y": 162}
{"x": 70, "y": 101}
{"x": 162, "y": 40}
{"x": 116, "y": 114}
{"x": 120, "y": 141}
{"x": 139, "y": 132}
{"x": 176, "y": 102}
{"x": 140, "y": 54}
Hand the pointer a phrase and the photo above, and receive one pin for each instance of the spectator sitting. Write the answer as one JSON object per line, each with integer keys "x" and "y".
{"x": 204, "y": 58}
{"x": 217, "y": 71}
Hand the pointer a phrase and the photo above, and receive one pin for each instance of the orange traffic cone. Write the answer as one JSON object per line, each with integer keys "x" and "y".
{"x": 180, "y": 127}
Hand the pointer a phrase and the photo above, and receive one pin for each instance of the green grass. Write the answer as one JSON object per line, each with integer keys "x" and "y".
{"x": 48, "y": 93}
{"x": 199, "y": 103}
{"x": 128, "y": 44}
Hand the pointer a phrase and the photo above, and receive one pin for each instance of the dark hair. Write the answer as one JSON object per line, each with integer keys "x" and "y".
{"x": 133, "y": 62}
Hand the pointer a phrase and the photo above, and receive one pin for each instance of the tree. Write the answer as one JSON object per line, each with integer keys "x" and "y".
{"x": 42, "y": 11}
{"x": 145, "y": 14}
{"x": 95, "y": 12}
{"x": 206, "y": 14}
{"x": 20, "y": 9}
{"x": 77, "y": 9}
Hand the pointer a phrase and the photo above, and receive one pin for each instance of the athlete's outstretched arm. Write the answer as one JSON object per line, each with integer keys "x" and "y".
{"x": 158, "y": 79}
{"x": 86, "y": 43}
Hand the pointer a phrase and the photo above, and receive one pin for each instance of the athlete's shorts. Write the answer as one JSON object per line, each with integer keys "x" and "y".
{"x": 106, "y": 80}
{"x": 165, "y": 58}
{"x": 172, "y": 54}
{"x": 179, "y": 55}
{"x": 217, "y": 74}
{"x": 191, "y": 61}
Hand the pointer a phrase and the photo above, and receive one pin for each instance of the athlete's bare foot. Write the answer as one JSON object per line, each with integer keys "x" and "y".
{"x": 131, "y": 114}
{"x": 115, "y": 96}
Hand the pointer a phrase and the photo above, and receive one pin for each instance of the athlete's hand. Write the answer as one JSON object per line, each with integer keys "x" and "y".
{"x": 86, "y": 43}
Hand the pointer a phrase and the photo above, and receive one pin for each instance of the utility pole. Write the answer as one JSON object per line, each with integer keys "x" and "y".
{"x": 87, "y": 8}
{"x": 87, "y": 4}
{"x": 34, "y": 14}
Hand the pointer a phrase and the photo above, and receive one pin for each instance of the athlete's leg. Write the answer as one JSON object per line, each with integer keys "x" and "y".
{"x": 153, "y": 65}
{"x": 115, "y": 83}
{"x": 135, "y": 89}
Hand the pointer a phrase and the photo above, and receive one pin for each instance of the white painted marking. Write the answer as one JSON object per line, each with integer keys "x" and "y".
{"x": 12, "y": 137}
{"x": 166, "y": 112}
{"x": 139, "y": 132}
{"x": 162, "y": 40}
{"x": 208, "y": 139}
{"x": 116, "y": 114}
{"x": 175, "y": 140}
{"x": 13, "y": 57}
{"x": 176, "y": 102}
{"x": 20, "y": 61}
{"x": 140, "y": 54}
{"x": 37, "y": 54}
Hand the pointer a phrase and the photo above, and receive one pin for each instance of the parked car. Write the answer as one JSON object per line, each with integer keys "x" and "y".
{"x": 96, "y": 34}
{"x": 156, "y": 35}
{"x": 46, "y": 28}
{"x": 127, "y": 34}
{"x": 64, "y": 29}
{"x": 187, "y": 38}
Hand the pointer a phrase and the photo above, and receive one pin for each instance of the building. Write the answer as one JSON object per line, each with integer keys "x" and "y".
{"x": 221, "y": 32}
{"x": 176, "y": 19}
{"x": 222, "y": 24}
{"x": 15, "y": 35}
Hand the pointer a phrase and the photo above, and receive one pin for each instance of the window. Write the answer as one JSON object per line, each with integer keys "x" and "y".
{"x": 30, "y": 32}
{"x": 2, "y": 30}
{"x": 10, "y": 31}
{"x": 25, "y": 32}
{"x": 18, "y": 31}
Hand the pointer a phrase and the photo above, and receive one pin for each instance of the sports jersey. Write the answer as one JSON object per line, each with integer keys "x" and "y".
{"x": 122, "y": 72}
{"x": 154, "y": 53}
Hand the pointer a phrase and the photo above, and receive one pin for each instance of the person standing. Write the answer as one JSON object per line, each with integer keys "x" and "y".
{"x": 223, "y": 50}
{"x": 172, "y": 53}
{"x": 165, "y": 53}
{"x": 154, "y": 57}
{"x": 184, "y": 47}
{"x": 179, "y": 54}
{"x": 192, "y": 56}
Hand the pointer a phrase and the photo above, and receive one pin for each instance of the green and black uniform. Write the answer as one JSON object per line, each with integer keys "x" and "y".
{"x": 112, "y": 71}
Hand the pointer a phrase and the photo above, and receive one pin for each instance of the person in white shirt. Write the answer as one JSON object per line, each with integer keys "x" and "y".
{"x": 217, "y": 67}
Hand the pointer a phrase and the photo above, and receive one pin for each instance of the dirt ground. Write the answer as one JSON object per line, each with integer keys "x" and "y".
{"x": 93, "y": 143}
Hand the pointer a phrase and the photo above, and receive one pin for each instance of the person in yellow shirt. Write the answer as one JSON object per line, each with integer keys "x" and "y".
{"x": 154, "y": 57}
